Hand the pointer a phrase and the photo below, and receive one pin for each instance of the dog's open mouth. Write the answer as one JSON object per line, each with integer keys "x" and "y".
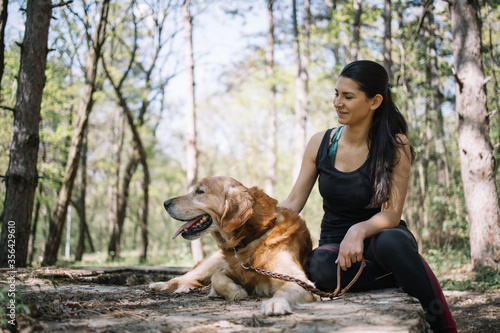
{"x": 193, "y": 227}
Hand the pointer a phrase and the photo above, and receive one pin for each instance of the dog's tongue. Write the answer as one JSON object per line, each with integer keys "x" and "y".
{"x": 186, "y": 226}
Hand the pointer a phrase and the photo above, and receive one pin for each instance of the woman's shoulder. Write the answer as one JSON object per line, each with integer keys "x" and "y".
{"x": 402, "y": 138}
{"x": 405, "y": 146}
{"x": 317, "y": 138}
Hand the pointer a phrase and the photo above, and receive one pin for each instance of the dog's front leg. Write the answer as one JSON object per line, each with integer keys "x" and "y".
{"x": 285, "y": 298}
{"x": 286, "y": 294}
{"x": 223, "y": 286}
{"x": 196, "y": 278}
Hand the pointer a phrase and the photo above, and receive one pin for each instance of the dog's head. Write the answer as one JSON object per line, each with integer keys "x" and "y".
{"x": 217, "y": 204}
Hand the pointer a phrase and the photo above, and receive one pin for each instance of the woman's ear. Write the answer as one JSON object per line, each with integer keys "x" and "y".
{"x": 376, "y": 101}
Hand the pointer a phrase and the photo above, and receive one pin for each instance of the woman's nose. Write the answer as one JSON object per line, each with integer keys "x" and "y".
{"x": 336, "y": 103}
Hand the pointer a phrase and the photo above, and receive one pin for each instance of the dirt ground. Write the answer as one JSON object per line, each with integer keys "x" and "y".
{"x": 118, "y": 300}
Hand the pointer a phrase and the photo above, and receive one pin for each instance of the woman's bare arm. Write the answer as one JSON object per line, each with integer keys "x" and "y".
{"x": 301, "y": 190}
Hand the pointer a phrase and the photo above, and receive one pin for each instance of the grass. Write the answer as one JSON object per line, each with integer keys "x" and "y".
{"x": 178, "y": 257}
{"x": 453, "y": 269}
{"x": 485, "y": 279}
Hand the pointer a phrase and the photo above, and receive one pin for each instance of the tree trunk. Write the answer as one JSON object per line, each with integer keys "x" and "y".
{"x": 436, "y": 100}
{"x": 3, "y": 21}
{"x": 143, "y": 214}
{"x": 32, "y": 241}
{"x": 80, "y": 203}
{"x": 271, "y": 132}
{"x": 191, "y": 148}
{"x": 38, "y": 207}
{"x": 356, "y": 25}
{"x": 138, "y": 153}
{"x": 387, "y": 38}
{"x": 68, "y": 234}
{"x": 115, "y": 228}
{"x": 301, "y": 85}
{"x": 477, "y": 162}
{"x": 143, "y": 159}
{"x": 21, "y": 178}
{"x": 80, "y": 126}
{"x": 122, "y": 197}
{"x": 496, "y": 88}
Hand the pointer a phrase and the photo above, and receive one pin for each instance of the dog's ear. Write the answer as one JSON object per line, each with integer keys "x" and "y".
{"x": 237, "y": 209}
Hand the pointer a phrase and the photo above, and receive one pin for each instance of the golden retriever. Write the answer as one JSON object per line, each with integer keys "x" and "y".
{"x": 249, "y": 229}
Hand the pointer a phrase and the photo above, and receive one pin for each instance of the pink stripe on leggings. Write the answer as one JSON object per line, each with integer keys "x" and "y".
{"x": 438, "y": 292}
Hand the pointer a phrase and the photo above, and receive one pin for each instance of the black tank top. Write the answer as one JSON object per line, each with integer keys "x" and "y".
{"x": 345, "y": 194}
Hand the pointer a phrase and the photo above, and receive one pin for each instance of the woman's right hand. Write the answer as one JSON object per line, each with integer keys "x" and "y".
{"x": 351, "y": 248}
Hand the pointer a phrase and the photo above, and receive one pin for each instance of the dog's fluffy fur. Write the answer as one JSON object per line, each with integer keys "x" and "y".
{"x": 231, "y": 213}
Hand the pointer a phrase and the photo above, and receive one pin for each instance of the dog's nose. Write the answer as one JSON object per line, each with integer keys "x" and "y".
{"x": 167, "y": 203}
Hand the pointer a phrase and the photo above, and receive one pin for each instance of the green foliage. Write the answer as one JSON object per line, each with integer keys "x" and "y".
{"x": 486, "y": 278}
{"x": 455, "y": 259}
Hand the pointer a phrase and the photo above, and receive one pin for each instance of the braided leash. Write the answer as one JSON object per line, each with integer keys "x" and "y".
{"x": 332, "y": 295}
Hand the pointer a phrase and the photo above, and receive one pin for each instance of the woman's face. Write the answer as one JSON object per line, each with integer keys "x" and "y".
{"x": 352, "y": 105}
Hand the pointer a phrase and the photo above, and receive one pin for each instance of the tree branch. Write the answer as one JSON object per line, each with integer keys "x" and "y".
{"x": 62, "y": 4}
{"x": 8, "y": 108}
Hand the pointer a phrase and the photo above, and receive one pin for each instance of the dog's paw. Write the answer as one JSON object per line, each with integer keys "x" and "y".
{"x": 174, "y": 286}
{"x": 163, "y": 287}
{"x": 276, "y": 306}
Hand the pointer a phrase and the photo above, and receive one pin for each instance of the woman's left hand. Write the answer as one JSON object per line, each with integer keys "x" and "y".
{"x": 351, "y": 248}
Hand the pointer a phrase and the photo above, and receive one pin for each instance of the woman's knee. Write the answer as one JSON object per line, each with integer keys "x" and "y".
{"x": 393, "y": 245}
{"x": 395, "y": 240}
{"x": 320, "y": 267}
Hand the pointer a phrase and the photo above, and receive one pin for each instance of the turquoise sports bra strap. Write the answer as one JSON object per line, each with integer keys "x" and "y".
{"x": 332, "y": 149}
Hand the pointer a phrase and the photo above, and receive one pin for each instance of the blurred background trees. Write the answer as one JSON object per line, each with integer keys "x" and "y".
{"x": 261, "y": 90}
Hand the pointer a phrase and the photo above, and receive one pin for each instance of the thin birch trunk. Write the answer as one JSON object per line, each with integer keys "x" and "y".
{"x": 271, "y": 132}
{"x": 301, "y": 85}
{"x": 191, "y": 148}
{"x": 387, "y": 38}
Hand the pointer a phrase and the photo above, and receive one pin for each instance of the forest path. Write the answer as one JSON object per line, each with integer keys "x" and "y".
{"x": 116, "y": 299}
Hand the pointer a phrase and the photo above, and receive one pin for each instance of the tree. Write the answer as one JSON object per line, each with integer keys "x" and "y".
{"x": 85, "y": 107}
{"x": 3, "y": 21}
{"x": 191, "y": 148}
{"x": 356, "y": 25}
{"x": 387, "y": 38}
{"x": 141, "y": 70}
{"x": 477, "y": 162}
{"x": 271, "y": 133}
{"x": 80, "y": 203}
{"x": 21, "y": 178}
{"x": 301, "y": 84}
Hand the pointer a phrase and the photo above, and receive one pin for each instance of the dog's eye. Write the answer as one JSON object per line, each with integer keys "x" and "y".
{"x": 199, "y": 190}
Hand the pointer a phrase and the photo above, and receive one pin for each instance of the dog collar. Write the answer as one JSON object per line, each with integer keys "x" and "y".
{"x": 247, "y": 240}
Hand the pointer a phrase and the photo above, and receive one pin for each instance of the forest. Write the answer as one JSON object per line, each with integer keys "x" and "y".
{"x": 109, "y": 108}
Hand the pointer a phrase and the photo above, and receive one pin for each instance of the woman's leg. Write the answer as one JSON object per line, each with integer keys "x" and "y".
{"x": 321, "y": 269}
{"x": 395, "y": 250}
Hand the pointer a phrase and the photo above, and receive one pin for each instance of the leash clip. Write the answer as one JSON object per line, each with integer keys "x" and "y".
{"x": 235, "y": 253}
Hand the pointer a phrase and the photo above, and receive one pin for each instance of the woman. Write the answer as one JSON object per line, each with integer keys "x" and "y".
{"x": 364, "y": 169}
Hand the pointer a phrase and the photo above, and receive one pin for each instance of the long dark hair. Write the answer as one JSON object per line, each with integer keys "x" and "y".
{"x": 388, "y": 123}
